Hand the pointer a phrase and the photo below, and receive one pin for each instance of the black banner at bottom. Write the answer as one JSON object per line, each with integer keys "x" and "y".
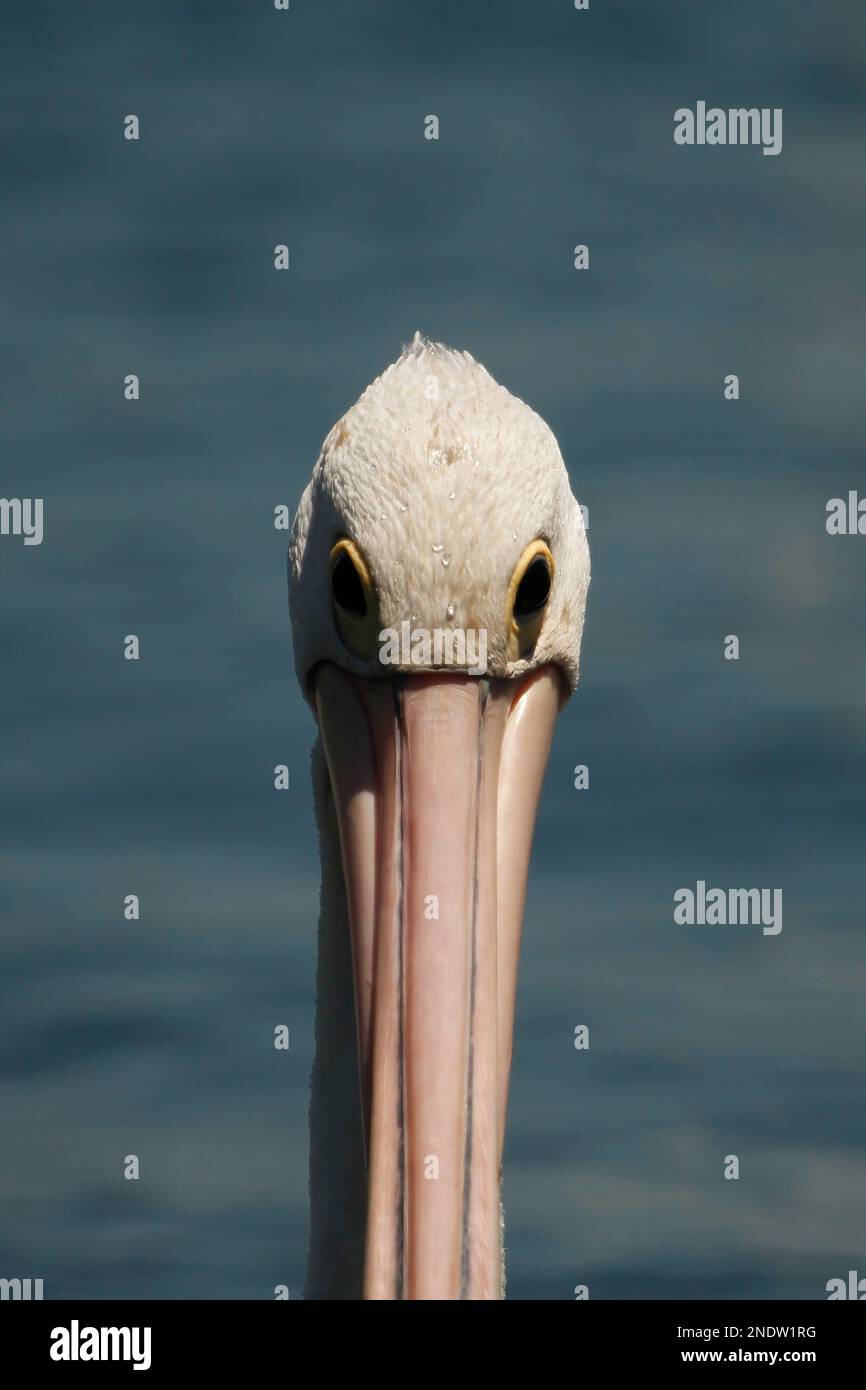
{"x": 219, "y": 1338}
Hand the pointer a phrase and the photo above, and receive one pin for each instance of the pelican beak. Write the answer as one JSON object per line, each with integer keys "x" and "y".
{"x": 435, "y": 780}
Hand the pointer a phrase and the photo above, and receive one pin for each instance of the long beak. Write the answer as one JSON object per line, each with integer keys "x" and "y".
{"x": 436, "y": 781}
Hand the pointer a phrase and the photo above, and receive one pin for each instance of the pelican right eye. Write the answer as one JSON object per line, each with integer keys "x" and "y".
{"x": 347, "y": 587}
{"x": 354, "y": 599}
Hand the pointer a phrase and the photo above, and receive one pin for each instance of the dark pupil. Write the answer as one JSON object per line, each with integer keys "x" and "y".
{"x": 533, "y": 588}
{"x": 347, "y": 588}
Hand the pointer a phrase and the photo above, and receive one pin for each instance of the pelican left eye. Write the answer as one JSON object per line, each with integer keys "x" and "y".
{"x": 533, "y": 589}
{"x": 354, "y": 599}
{"x": 528, "y": 593}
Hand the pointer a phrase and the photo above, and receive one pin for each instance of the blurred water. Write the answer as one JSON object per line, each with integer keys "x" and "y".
{"x": 705, "y": 518}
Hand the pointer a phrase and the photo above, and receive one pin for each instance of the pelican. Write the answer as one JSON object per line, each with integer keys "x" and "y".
{"x": 439, "y": 502}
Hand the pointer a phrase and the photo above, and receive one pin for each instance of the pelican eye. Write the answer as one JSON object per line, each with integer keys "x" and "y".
{"x": 534, "y": 588}
{"x": 354, "y": 599}
{"x": 348, "y": 587}
{"x": 528, "y": 594}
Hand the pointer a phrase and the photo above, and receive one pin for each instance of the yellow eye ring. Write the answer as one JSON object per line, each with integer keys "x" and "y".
{"x": 353, "y": 599}
{"x": 528, "y": 594}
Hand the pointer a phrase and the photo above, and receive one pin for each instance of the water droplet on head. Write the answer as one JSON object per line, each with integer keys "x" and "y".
{"x": 451, "y": 496}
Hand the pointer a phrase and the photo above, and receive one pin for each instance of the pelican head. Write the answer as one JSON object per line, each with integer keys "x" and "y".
{"x": 438, "y": 573}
